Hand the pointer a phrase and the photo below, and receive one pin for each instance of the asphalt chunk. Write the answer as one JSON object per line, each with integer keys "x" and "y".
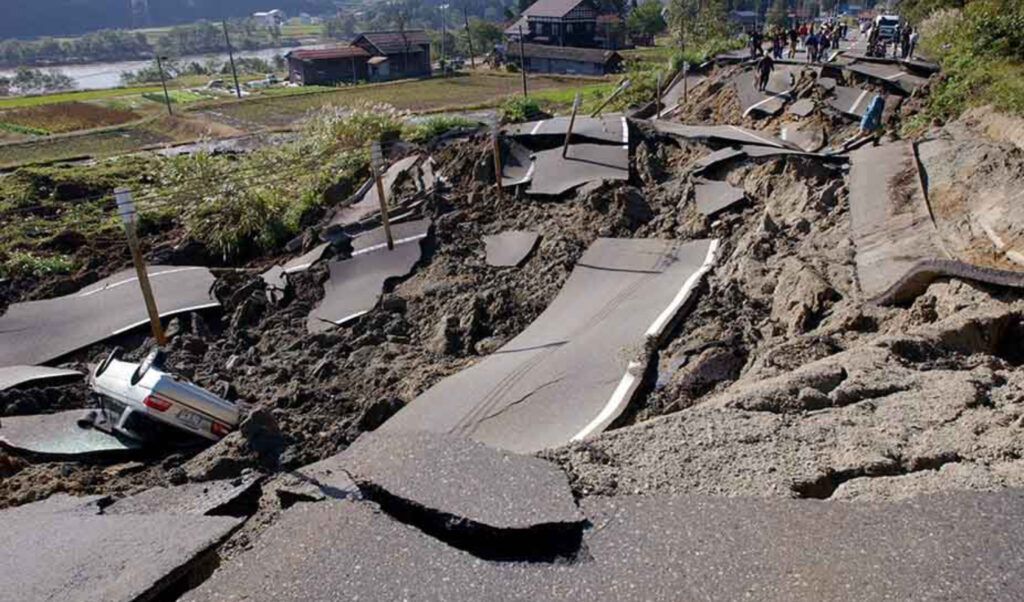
{"x": 510, "y": 248}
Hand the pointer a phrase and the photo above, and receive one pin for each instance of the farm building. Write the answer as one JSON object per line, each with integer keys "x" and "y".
{"x": 372, "y": 56}
{"x": 558, "y": 23}
{"x": 541, "y": 58}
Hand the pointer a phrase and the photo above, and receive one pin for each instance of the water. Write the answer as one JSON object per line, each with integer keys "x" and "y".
{"x": 100, "y": 76}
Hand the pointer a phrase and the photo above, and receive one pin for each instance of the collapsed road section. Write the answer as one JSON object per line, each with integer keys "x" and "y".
{"x": 40, "y": 331}
{"x": 899, "y": 250}
{"x": 574, "y": 370}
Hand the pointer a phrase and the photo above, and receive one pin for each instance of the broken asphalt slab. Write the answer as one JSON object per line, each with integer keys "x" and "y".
{"x": 493, "y": 503}
{"x": 60, "y": 436}
{"x": 369, "y": 203}
{"x": 73, "y": 555}
{"x": 356, "y": 284}
{"x": 716, "y": 158}
{"x": 554, "y": 174}
{"x": 211, "y": 498}
{"x": 770, "y": 101}
{"x": 403, "y": 233}
{"x": 609, "y": 129}
{"x": 712, "y": 197}
{"x": 572, "y": 372}
{"x": 899, "y": 249}
{"x": 808, "y": 136}
{"x": 890, "y": 75}
{"x": 850, "y": 101}
{"x": 659, "y": 548}
{"x": 40, "y": 331}
{"x": 275, "y": 276}
{"x": 802, "y": 107}
{"x": 728, "y": 134}
{"x": 14, "y": 376}
{"x": 510, "y": 248}
{"x": 517, "y": 165}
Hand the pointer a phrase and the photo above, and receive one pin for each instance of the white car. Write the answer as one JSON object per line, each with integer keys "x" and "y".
{"x": 140, "y": 401}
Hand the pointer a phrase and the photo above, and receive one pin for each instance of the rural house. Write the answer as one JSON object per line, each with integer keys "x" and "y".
{"x": 371, "y": 56}
{"x": 563, "y": 59}
{"x": 557, "y": 23}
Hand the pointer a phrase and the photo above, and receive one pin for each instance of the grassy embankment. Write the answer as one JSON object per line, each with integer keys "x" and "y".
{"x": 981, "y": 50}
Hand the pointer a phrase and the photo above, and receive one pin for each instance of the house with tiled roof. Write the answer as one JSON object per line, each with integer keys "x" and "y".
{"x": 370, "y": 56}
{"x": 557, "y": 23}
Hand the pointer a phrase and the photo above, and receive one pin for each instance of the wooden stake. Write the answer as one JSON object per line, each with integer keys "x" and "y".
{"x": 497, "y": 157}
{"x": 522, "y": 62}
{"x": 623, "y": 86}
{"x": 657, "y": 97}
{"x": 572, "y": 122}
{"x": 126, "y": 209}
{"x": 377, "y": 161}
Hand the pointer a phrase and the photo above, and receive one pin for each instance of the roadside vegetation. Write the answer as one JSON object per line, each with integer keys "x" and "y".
{"x": 981, "y": 50}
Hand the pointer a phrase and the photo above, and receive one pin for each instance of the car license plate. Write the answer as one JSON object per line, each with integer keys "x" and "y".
{"x": 190, "y": 418}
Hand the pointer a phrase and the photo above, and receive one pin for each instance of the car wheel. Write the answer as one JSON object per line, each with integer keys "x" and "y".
{"x": 114, "y": 354}
{"x": 153, "y": 358}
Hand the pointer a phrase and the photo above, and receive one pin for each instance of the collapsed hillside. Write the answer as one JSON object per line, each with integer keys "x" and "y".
{"x": 780, "y": 382}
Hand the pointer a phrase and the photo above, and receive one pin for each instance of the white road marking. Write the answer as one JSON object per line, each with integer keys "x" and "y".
{"x": 382, "y": 245}
{"x": 136, "y": 279}
{"x": 770, "y": 98}
{"x": 755, "y": 137}
{"x": 536, "y": 128}
{"x": 165, "y": 315}
{"x": 620, "y": 397}
{"x": 625, "y": 131}
{"x": 856, "y": 103}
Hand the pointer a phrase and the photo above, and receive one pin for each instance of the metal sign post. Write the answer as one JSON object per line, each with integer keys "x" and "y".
{"x": 497, "y": 155}
{"x": 126, "y": 209}
{"x": 572, "y": 122}
{"x": 377, "y": 163}
{"x": 163, "y": 82}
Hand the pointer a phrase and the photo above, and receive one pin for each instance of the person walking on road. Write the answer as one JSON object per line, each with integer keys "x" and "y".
{"x": 811, "y": 45}
{"x": 794, "y": 37}
{"x": 764, "y": 70}
{"x": 756, "y": 42}
{"x": 870, "y": 124}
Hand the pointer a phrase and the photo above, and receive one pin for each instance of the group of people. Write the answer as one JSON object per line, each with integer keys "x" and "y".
{"x": 787, "y": 42}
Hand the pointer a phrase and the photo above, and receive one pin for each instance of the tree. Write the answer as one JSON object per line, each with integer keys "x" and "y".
{"x": 646, "y": 19}
{"x": 777, "y": 15}
{"x": 699, "y": 24}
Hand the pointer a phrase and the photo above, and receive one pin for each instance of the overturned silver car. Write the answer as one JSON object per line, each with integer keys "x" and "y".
{"x": 145, "y": 403}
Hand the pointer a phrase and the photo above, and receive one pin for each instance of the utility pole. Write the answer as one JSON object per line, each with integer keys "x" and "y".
{"x": 126, "y": 209}
{"x": 572, "y": 122}
{"x": 444, "y": 71}
{"x": 163, "y": 82}
{"x": 377, "y": 162}
{"x": 231, "y": 58}
{"x": 469, "y": 37}
{"x": 522, "y": 62}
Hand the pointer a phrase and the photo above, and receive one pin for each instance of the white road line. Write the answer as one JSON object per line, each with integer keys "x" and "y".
{"x": 612, "y": 408}
{"x": 893, "y": 77}
{"x": 684, "y": 293}
{"x": 348, "y": 318}
{"x": 770, "y": 98}
{"x": 785, "y": 131}
{"x": 524, "y": 179}
{"x": 536, "y": 128}
{"x": 382, "y": 245}
{"x": 136, "y": 279}
{"x": 755, "y": 137}
{"x": 856, "y": 103}
{"x": 620, "y": 397}
{"x": 625, "y": 131}
{"x": 165, "y": 315}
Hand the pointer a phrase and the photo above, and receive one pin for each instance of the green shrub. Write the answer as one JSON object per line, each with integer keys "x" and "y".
{"x": 519, "y": 108}
{"x": 435, "y": 126}
{"x": 25, "y": 264}
{"x": 23, "y": 129}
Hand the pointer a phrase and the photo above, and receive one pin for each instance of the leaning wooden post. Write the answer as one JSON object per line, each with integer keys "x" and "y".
{"x": 572, "y": 122}
{"x": 657, "y": 97}
{"x": 686, "y": 71}
{"x": 623, "y": 86}
{"x": 377, "y": 163}
{"x": 496, "y": 147}
{"x": 126, "y": 209}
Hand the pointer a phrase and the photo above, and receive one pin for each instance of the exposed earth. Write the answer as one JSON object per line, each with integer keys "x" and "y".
{"x": 782, "y": 381}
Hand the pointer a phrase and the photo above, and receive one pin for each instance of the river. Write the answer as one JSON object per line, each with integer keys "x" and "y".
{"x": 100, "y": 76}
